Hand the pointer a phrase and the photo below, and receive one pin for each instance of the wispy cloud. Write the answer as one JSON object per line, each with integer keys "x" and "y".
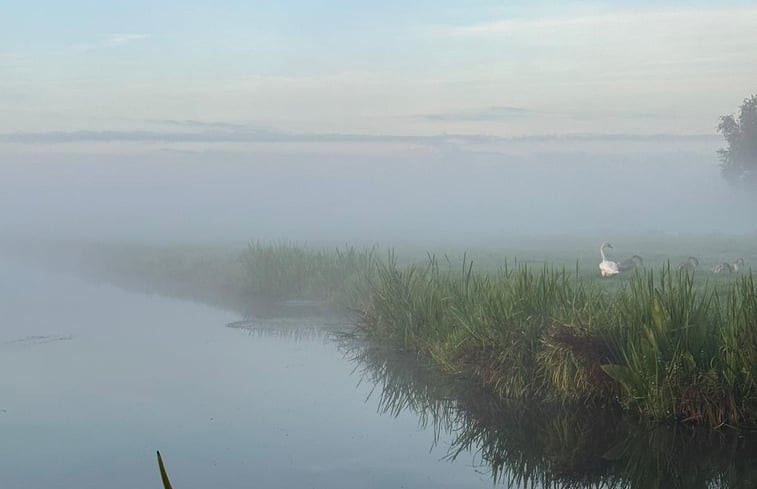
{"x": 500, "y": 113}
{"x": 647, "y": 43}
{"x": 114, "y": 40}
{"x": 495, "y": 113}
{"x": 649, "y": 21}
{"x": 193, "y": 124}
{"x": 108, "y": 42}
{"x": 510, "y": 26}
{"x": 271, "y": 136}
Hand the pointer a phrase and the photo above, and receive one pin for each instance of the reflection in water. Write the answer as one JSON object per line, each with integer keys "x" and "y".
{"x": 527, "y": 445}
{"x": 277, "y": 329}
{"x": 40, "y": 339}
{"x": 293, "y": 319}
{"x": 261, "y": 307}
{"x": 296, "y": 329}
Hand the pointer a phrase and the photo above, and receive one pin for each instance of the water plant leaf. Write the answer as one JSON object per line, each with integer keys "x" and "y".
{"x": 625, "y": 377}
{"x": 163, "y": 474}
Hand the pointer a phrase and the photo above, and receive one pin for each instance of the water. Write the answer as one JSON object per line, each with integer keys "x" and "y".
{"x": 95, "y": 379}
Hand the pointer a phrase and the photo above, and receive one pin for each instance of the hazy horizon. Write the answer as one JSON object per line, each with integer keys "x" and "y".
{"x": 408, "y": 195}
{"x": 371, "y": 122}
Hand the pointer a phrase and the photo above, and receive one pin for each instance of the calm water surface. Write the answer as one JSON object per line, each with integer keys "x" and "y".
{"x": 95, "y": 379}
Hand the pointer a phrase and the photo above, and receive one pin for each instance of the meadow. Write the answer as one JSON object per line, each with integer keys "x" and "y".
{"x": 529, "y": 321}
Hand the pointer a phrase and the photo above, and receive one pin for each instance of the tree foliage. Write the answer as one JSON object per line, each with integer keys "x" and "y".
{"x": 739, "y": 160}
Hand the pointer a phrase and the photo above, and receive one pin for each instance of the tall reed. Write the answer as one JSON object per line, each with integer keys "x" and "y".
{"x": 660, "y": 347}
{"x": 278, "y": 271}
{"x": 660, "y": 344}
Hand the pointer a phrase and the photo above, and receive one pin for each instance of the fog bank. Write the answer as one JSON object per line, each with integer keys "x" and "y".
{"x": 386, "y": 196}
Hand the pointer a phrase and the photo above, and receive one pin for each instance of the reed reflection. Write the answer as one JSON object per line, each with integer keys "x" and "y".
{"x": 523, "y": 444}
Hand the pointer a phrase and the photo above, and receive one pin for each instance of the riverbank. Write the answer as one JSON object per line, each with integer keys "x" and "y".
{"x": 250, "y": 281}
{"x": 657, "y": 343}
{"x": 662, "y": 347}
{"x": 538, "y": 444}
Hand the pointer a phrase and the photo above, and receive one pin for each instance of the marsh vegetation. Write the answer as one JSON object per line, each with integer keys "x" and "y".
{"x": 659, "y": 346}
{"x": 533, "y": 444}
{"x": 660, "y": 342}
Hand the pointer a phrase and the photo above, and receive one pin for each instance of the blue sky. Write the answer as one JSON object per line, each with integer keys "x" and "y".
{"x": 357, "y": 67}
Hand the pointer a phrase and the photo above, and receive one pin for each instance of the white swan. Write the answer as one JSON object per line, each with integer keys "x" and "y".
{"x": 607, "y": 268}
{"x": 729, "y": 267}
{"x": 689, "y": 265}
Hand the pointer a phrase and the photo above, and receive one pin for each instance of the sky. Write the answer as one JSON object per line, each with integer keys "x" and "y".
{"x": 349, "y": 120}
{"x": 499, "y": 68}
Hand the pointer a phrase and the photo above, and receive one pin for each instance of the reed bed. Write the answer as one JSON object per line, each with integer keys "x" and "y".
{"x": 254, "y": 281}
{"x": 279, "y": 271}
{"x": 660, "y": 346}
{"x": 209, "y": 274}
{"x": 658, "y": 342}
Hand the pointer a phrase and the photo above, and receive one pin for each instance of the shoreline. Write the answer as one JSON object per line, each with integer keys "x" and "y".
{"x": 659, "y": 344}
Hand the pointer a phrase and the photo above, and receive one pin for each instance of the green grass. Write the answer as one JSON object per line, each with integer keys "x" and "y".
{"x": 661, "y": 346}
{"x": 541, "y": 324}
{"x": 253, "y": 281}
{"x": 278, "y": 271}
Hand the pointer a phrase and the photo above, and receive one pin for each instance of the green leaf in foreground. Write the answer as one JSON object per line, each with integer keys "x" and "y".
{"x": 163, "y": 475}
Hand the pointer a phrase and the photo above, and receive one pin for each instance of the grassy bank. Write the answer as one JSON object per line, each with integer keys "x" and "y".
{"x": 660, "y": 343}
{"x": 275, "y": 272}
{"x": 253, "y": 281}
{"x": 663, "y": 345}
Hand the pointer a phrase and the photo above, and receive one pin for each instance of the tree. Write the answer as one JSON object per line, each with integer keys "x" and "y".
{"x": 739, "y": 161}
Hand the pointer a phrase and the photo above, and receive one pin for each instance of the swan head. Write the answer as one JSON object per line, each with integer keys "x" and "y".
{"x": 740, "y": 261}
{"x": 605, "y": 244}
{"x": 693, "y": 260}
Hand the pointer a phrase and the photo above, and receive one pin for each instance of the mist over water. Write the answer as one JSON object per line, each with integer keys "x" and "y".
{"x": 99, "y": 378}
{"x": 243, "y": 233}
{"x": 403, "y": 195}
